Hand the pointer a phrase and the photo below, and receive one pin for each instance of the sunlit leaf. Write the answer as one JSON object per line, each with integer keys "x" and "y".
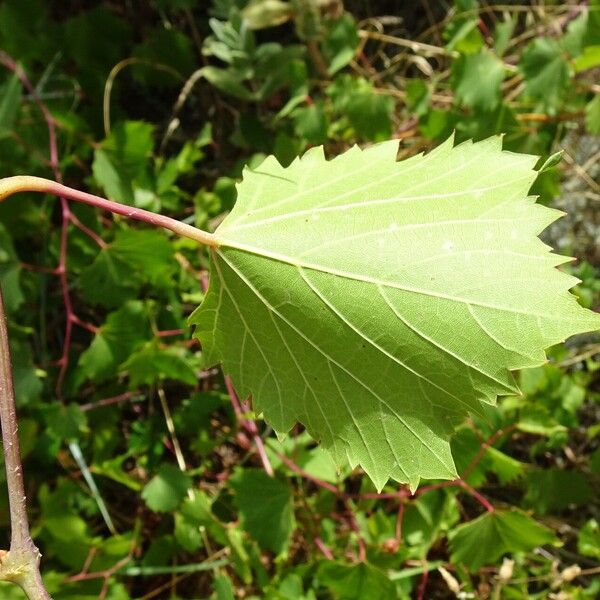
{"x": 378, "y": 303}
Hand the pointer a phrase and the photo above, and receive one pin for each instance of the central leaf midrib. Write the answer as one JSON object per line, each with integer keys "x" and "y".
{"x": 283, "y": 258}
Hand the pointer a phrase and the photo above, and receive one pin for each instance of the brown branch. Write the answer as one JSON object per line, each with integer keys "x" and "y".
{"x": 21, "y": 563}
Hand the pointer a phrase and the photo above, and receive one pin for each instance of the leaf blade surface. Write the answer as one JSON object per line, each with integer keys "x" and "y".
{"x": 378, "y": 302}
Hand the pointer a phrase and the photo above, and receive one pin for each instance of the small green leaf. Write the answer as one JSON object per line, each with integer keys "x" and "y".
{"x": 468, "y": 73}
{"x": 311, "y": 123}
{"x": 356, "y": 582}
{"x": 546, "y": 72}
{"x": 152, "y": 363}
{"x": 340, "y": 42}
{"x": 588, "y": 539}
{"x": 67, "y": 423}
{"x": 572, "y": 41}
{"x": 136, "y": 256}
{"x": 426, "y": 518}
{"x": 319, "y": 464}
{"x": 223, "y": 587}
{"x": 123, "y": 332}
{"x": 10, "y": 272}
{"x": 417, "y": 96}
{"x": 437, "y": 124}
{"x": 265, "y": 505}
{"x": 502, "y": 34}
{"x": 595, "y": 461}
{"x": 259, "y": 14}
{"x": 26, "y": 376}
{"x": 591, "y": 36}
{"x": 551, "y": 161}
{"x": 588, "y": 59}
{"x": 192, "y": 518}
{"x": 538, "y": 421}
{"x": 592, "y": 115}
{"x": 165, "y": 491}
{"x": 122, "y": 159}
{"x": 483, "y": 540}
{"x": 197, "y": 511}
{"x": 463, "y": 36}
{"x": 505, "y": 467}
{"x": 368, "y": 113}
{"x": 227, "y": 81}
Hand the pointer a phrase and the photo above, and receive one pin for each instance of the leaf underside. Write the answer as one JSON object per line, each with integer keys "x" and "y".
{"x": 379, "y": 302}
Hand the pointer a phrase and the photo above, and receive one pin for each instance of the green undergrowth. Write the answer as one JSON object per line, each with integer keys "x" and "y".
{"x": 143, "y": 479}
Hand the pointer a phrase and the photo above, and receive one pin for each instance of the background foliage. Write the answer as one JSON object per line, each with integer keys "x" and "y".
{"x": 142, "y": 467}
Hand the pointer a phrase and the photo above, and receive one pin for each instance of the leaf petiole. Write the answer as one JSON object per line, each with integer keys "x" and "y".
{"x": 27, "y": 183}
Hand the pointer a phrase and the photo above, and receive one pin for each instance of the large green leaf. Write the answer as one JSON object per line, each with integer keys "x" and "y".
{"x": 379, "y": 302}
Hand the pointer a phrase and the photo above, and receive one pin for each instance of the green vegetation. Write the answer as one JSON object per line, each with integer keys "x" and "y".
{"x": 147, "y": 476}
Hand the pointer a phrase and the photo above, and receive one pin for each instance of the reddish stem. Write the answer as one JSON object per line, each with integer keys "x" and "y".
{"x": 170, "y": 332}
{"x": 435, "y": 486}
{"x": 319, "y": 482}
{"x": 473, "y": 492}
{"x": 458, "y": 483}
{"x": 399, "y": 521}
{"x": 424, "y": 580}
{"x": 67, "y": 216}
{"x": 83, "y": 324}
{"x": 11, "y": 65}
{"x": 327, "y": 553}
{"x": 250, "y": 427}
{"x": 362, "y": 547}
{"x": 483, "y": 448}
{"x": 401, "y": 493}
{"x": 91, "y": 234}
{"x": 25, "y": 183}
{"x": 108, "y": 401}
